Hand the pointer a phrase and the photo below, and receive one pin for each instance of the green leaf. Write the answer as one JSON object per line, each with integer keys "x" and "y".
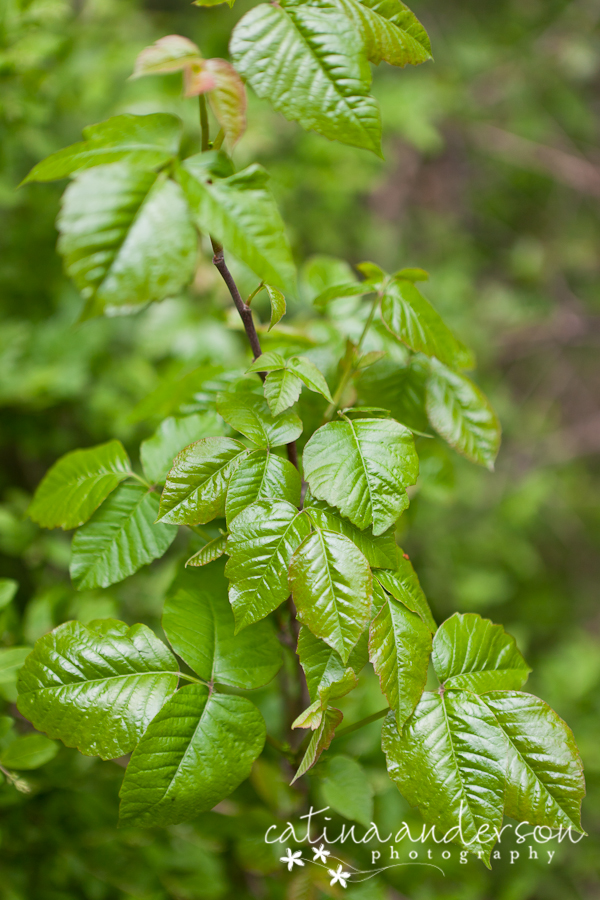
{"x": 277, "y": 301}
{"x": 336, "y": 291}
{"x": 370, "y": 358}
{"x": 270, "y": 361}
{"x": 413, "y": 320}
{"x": 309, "y": 61}
{"x": 262, "y": 476}
{"x": 211, "y": 551}
{"x": 198, "y": 622}
{"x": 412, "y": 274}
{"x": 196, "y": 485}
{"x": 320, "y": 741}
{"x": 399, "y": 648}
{"x": 363, "y": 468}
{"x": 171, "y": 437}
{"x": 380, "y": 551}
{"x": 11, "y": 660}
{"x": 391, "y": 32}
{"x": 473, "y": 654}
{"x": 332, "y": 588}
{"x": 119, "y": 539}
{"x": 8, "y": 589}
{"x": 310, "y": 375}
{"x": 169, "y": 54}
{"x": 402, "y": 385}
{"x": 463, "y": 415}
{"x": 344, "y": 786}
{"x": 213, "y": 2}
{"x": 403, "y": 584}
{"x": 250, "y": 415}
{"x": 77, "y": 484}
{"x": 126, "y": 238}
{"x": 327, "y": 678}
{"x": 239, "y": 212}
{"x": 282, "y": 389}
{"x": 450, "y": 762}
{"x": 261, "y": 544}
{"x": 544, "y": 780}
{"x": 96, "y": 688}
{"x": 30, "y": 751}
{"x": 196, "y": 751}
{"x": 145, "y": 142}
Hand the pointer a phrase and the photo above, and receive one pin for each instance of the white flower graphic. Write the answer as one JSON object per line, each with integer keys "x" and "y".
{"x": 292, "y": 859}
{"x": 340, "y": 876}
{"x": 321, "y": 853}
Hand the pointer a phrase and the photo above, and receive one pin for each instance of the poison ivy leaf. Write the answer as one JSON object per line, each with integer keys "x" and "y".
{"x": 119, "y": 539}
{"x": 213, "y": 2}
{"x": 8, "y": 589}
{"x": 413, "y": 320}
{"x": 262, "y": 476}
{"x": 327, "y": 678}
{"x": 270, "y": 361}
{"x": 239, "y": 212}
{"x": 77, "y": 484}
{"x": 145, "y": 142}
{"x": 380, "y": 551}
{"x": 263, "y": 538}
{"x": 171, "y": 437}
{"x": 370, "y": 358}
{"x": 344, "y": 786}
{"x": 544, "y": 780}
{"x": 96, "y": 688}
{"x": 309, "y": 61}
{"x": 320, "y": 741}
{"x": 363, "y": 468}
{"x": 412, "y": 274}
{"x": 403, "y": 584}
{"x": 282, "y": 389}
{"x": 277, "y": 301}
{"x": 450, "y": 762}
{"x": 402, "y": 385}
{"x": 332, "y": 588}
{"x": 473, "y": 654}
{"x": 391, "y": 32}
{"x": 11, "y": 660}
{"x": 226, "y": 94}
{"x": 196, "y": 486}
{"x": 310, "y": 375}
{"x": 169, "y": 54}
{"x": 336, "y": 291}
{"x": 198, "y": 621}
{"x": 196, "y": 751}
{"x": 399, "y": 648}
{"x": 463, "y": 415}
{"x": 211, "y": 551}
{"x": 249, "y": 414}
{"x": 30, "y": 751}
{"x": 126, "y": 238}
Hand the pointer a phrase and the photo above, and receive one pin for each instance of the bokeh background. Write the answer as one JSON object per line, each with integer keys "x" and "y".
{"x": 491, "y": 181}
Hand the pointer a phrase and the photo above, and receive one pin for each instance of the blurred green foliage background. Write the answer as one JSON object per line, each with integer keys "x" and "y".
{"x": 491, "y": 182}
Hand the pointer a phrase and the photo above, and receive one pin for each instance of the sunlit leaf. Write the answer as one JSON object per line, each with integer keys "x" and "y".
{"x": 250, "y": 414}
{"x": 172, "y": 436}
{"x": 262, "y": 476}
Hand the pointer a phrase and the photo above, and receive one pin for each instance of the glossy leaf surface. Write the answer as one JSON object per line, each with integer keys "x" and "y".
{"x": 250, "y": 414}
{"x": 96, "y": 688}
{"x": 391, "y": 32}
{"x": 211, "y": 551}
{"x": 403, "y": 584}
{"x": 262, "y": 476}
{"x": 320, "y": 741}
{"x": 380, "y": 551}
{"x": 172, "y": 436}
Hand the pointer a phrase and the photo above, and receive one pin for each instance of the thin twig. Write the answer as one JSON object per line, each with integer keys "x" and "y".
{"x": 350, "y": 367}
{"x": 362, "y": 723}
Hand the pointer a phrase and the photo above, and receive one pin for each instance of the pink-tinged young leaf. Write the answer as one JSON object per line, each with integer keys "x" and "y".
{"x": 169, "y": 54}
{"x": 226, "y": 94}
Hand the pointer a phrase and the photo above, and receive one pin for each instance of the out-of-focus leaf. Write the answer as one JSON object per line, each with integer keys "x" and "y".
{"x": 120, "y": 538}
{"x": 30, "y": 751}
{"x": 226, "y": 94}
{"x": 11, "y": 660}
{"x": 77, "y": 484}
{"x": 8, "y": 589}
{"x": 277, "y": 301}
{"x": 332, "y": 588}
{"x": 403, "y": 584}
{"x": 473, "y": 654}
{"x": 96, "y": 688}
{"x": 402, "y": 385}
{"x": 172, "y": 436}
{"x": 250, "y": 415}
{"x": 310, "y": 375}
{"x": 261, "y": 544}
{"x": 391, "y": 32}
{"x": 544, "y": 780}
{"x": 413, "y": 320}
{"x": 171, "y": 53}
{"x": 463, "y": 415}
{"x": 145, "y": 142}
{"x": 196, "y": 486}
{"x": 198, "y": 622}
{"x": 282, "y": 389}
{"x": 239, "y": 212}
{"x": 363, "y": 468}
{"x": 309, "y": 61}
{"x": 450, "y": 762}
{"x": 196, "y": 751}
{"x": 262, "y": 476}
{"x": 345, "y": 787}
{"x": 399, "y": 648}
{"x": 320, "y": 741}
{"x": 126, "y": 238}
{"x": 326, "y": 676}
